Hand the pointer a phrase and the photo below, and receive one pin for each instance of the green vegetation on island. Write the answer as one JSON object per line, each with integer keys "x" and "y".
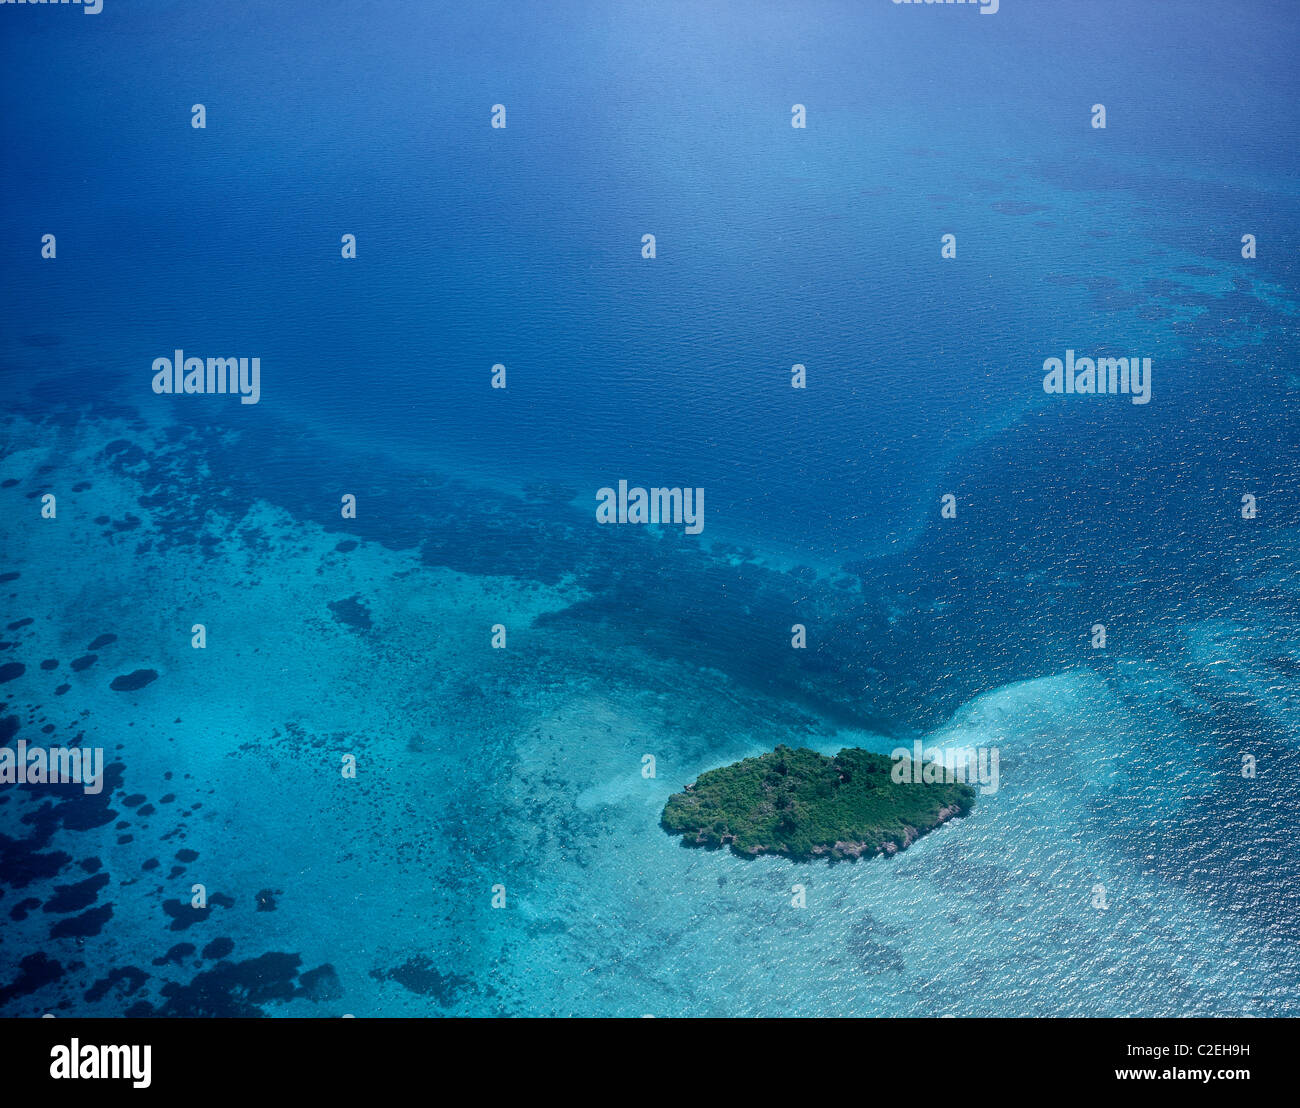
{"x": 801, "y": 804}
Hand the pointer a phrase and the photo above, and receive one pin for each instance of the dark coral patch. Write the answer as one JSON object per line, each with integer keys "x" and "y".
{"x": 237, "y": 989}
{"x": 352, "y": 612}
{"x": 176, "y": 954}
{"x": 22, "y": 862}
{"x": 319, "y": 984}
{"x": 128, "y": 976}
{"x": 82, "y": 926}
{"x": 82, "y": 811}
{"x": 124, "y": 451}
{"x": 19, "y": 911}
{"x": 35, "y": 971}
{"x": 183, "y": 915}
{"x": 137, "y": 679}
{"x": 72, "y": 898}
{"x": 218, "y": 949}
{"x": 419, "y": 976}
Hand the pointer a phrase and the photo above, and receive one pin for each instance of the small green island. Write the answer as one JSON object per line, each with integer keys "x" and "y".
{"x": 803, "y": 804}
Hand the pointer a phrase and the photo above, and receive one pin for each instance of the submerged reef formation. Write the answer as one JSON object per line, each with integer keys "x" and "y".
{"x": 803, "y": 804}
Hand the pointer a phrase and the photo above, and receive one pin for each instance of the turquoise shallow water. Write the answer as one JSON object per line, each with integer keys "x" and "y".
{"x": 1124, "y": 867}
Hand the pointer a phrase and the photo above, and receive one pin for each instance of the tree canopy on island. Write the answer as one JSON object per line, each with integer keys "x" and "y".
{"x": 801, "y": 804}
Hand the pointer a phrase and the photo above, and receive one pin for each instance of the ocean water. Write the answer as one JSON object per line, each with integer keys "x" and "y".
{"x": 1125, "y": 866}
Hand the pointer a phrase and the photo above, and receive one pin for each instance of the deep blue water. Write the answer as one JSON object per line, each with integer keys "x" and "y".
{"x": 775, "y": 246}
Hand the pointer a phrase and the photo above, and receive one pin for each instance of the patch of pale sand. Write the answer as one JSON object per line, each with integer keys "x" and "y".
{"x": 1067, "y": 742}
{"x": 277, "y": 811}
{"x": 591, "y": 739}
{"x": 600, "y": 890}
{"x": 628, "y": 899}
{"x": 1068, "y": 735}
{"x": 266, "y": 615}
